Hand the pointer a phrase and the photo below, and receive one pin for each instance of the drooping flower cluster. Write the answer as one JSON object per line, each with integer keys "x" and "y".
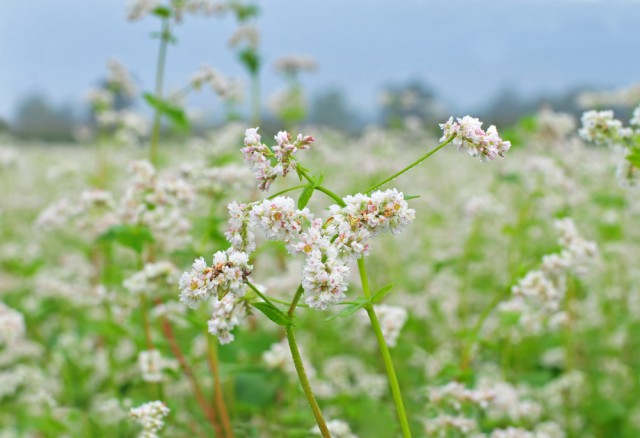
{"x": 324, "y": 277}
{"x": 151, "y": 417}
{"x": 539, "y": 295}
{"x": 227, "y": 273}
{"x": 468, "y": 136}
{"x": 228, "y": 312}
{"x": 153, "y": 276}
{"x": 269, "y": 163}
{"x": 11, "y": 325}
{"x": 224, "y": 87}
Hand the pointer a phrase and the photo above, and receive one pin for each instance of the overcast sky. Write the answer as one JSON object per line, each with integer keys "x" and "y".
{"x": 466, "y": 49}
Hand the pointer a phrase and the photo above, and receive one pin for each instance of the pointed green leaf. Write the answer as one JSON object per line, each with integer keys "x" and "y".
{"x": 319, "y": 179}
{"x": 273, "y": 313}
{"x": 409, "y": 197}
{"x": 305, "y": 196}
{"x": 378, "y": 296}
{"x": 348, "y": 310}
{"x": 170, "y": 110}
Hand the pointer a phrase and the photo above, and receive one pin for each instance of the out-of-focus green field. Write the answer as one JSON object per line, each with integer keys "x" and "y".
{"x": 479, "y": 228}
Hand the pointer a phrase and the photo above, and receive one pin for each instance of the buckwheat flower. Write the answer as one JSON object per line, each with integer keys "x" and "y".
{"x": 538, "y": 286}
{"x": 285, "y": 149}
{"x": 151, "y": 417}
{"x": 602, "y": 128}
{"x": 324, "y": 278}
{"x": 138, "y": 9}
{"x": 119, "y": 79}
{"x": 468, "y": 136}
{"x": 256, "y": 155}
{"x": 228, "y": 313}
{"x": 444, "y": 425}
{"x": 392, "y": 319}
{"x": 150, "y": 363}
{"x": 12, "y": 325}
{"x": 293, "y": 64}
{"x": 152, "y": 276}
{"x": 456, "y": 395}
{"x": 279, "y": 219}
{"x": 337, "y": 429}
{"x": 238, "y": 232}
{"x": 315, "y": 238}
{"x": 245, "y": 34}
{"x": 99, "y": 99}
{"x": 227, "y": 274}
{"x": 278, "y": 357}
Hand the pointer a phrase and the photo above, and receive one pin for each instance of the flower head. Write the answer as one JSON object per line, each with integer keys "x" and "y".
{"x": 468, "y": 136}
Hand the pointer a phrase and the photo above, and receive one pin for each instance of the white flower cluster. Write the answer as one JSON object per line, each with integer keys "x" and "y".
{"x": 129, "y": 127}
{"x": 119, "y": 79}
{"x": 468, "y": 136}
{"x": 259, "y": 156}
{"x": 347, "y": 375}
{"x": 228, "y": 313}
{"x": 151, "y": 364}
{"x": 539, "y": 295}
{"x": 278, "y": 357}
{"x": 151, "y": 417}
{"x": 245, "y": 34}
{"x": 626, "y": 96}
{"x": 158, "y": 202}
{"x": 444, "y": 425}
{"x": 292, "y": 64}
{"x": 278, "y": 218}
{"x": 153, "y": 276}
{"x": 327, "y": 249}
{"x": 221, "y": 85}
{"x": 456, "y": 395}
{"x": 12, "y": 325}
{"x": 392, "y": 319}
{"x": 337, "y": 429}
{"x": 551, "y": 125}
{"x": 226, "y": 274}
{"x": 139, "y": 9}
{"x": 601, "y": 127}
{"x": 93, "y": 213}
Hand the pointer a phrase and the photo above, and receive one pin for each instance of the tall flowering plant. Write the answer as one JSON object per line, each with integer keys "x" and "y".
{"x": 330, "y": 245}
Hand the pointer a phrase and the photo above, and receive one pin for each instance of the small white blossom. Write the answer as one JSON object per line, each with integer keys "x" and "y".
{"x": 602, "y": 128}
{"x": 151, "y": 417}
{"x": 468, "y": 136}
{"x": 227, "y": 274}
{"x": 324, "y": 278}
{"x": 392, "y": 319}
{"x": 228, "y": 313}
{"x": 337, "y": 429}
{"x": 279, "y": 219}
{"x": 151, "y": 364}
{"x": 12, "y": 325}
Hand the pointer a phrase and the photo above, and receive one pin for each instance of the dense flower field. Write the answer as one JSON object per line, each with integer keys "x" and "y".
{"x": 240, "y": 282}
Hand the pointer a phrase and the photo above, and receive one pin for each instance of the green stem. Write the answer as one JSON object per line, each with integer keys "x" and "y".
{"x": 290, "y": 189}
{"x": 411, "y": 166}
{"x": 322, "y": 189}
{"x": 255, "y": 99}
{"x": 384, "y": 350}
{"x": 261, "y": 295}
{"x": 160, "y": 67}
{"x": 218, "y": 395}
{"x": 302, "y": 375}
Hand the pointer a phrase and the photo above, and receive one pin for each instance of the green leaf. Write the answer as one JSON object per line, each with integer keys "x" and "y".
{"x": 319, "y": 179}
{"x": 378, "y": 296}
{"x": 409, "y": 197}
{"x": 162, "y": 12}
{"x": 634, "y": 157}
{"x": 273, "y": 313}
{"x": 348, "y": 310}
{"x": 131, "y": 236}
{"x": 305, "y": 196}
{"x": 250, "y": 59}
{"x": 170, "y": 110}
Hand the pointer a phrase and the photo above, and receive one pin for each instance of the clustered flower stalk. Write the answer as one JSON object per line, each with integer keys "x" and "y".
{"x": 328, "y": 246}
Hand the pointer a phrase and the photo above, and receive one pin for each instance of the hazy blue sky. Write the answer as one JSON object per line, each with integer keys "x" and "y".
{"x": 466, "y": 49}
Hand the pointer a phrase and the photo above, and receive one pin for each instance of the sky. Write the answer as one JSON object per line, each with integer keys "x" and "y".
{"x": 467, "y": 50}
